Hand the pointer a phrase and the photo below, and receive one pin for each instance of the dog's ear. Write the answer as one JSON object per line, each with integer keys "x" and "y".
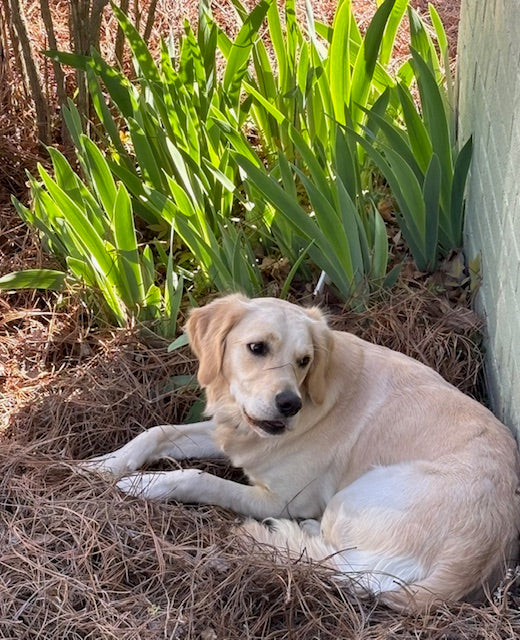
{"x": 207, "y": 328}
{"x": 316, "y": 380}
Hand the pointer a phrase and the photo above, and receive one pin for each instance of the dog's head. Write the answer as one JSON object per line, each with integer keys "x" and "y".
{"x": 269, "y": 355}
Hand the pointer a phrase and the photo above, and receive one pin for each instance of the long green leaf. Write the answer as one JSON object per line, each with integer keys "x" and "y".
{"x": 83, "y": 230}
{"x": 298, "y": 218}
{"x": 460, "y": 174}
{"x": 118, "y": 86}
{"x": 100, "y": 174}
{"x": 350, "y": 231}
{"x": 64, "y": 175}
{"x": 146, "y": 155}
{"x": 442, "y": 41}
{"x": 422, "y": 42}
{"x": 411, "y": 204}
{"x": 330, "y": 225}
{"x": 394, "y": 21}
{"x": 207, "y": 36}
{"x": 380, "y": 248}
{"x": 310, "y": 158}
{"x": 346, "y": 164}
{"x": 126, "y": 246}
{"x": 141, "y": 52}
{"x": 103, "y": 112}
{"x": 147, "y": 267}
{"x": 173, "y": 290}
{"x": 75, "y": 60}
{"x": 397, "y": 141}
{"x": 240, "y": 52}
{"x": 339, "y": 60}
{"x": 279, "y": 44}
{"x": 34, "y": 279}
{"x": 431, "y": 195}
{"x": 82, "y": 270}
{"x": 436, "y": 120}
{"x": 266, "y": 104}
{"x": 284, "y": 291}
{"x": 417, "y": 134}
{"x": 366, "y": 59}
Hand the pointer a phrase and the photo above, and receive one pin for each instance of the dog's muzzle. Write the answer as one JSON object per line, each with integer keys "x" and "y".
{"x": 271, "y": 427}
{"x": 288, "y": 404}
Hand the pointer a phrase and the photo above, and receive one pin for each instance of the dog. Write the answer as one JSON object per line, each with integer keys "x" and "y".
{"x": 357, "y": 456}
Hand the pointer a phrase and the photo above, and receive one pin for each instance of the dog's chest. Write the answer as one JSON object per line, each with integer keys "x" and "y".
{"x": 302, "y": 484}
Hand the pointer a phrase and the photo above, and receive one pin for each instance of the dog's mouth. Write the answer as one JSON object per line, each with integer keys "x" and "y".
{"x": 271, "y": 427}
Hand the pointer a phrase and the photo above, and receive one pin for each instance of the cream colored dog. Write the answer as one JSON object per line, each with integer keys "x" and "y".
{"x": 406, "y": 486}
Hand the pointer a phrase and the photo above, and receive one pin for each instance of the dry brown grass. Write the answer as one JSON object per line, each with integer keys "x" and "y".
{"x": 415, "y": 319}
{"x": 80, "y": 560}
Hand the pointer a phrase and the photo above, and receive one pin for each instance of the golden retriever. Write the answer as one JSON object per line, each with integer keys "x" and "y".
{"x": 358, "y": 456}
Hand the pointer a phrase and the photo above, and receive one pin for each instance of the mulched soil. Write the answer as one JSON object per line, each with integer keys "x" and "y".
{"x": 80, "y": 560}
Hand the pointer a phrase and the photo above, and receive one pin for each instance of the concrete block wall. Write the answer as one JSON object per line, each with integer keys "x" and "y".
{"x": 489, "y": 109}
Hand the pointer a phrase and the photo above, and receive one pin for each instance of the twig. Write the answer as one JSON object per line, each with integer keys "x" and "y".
{"x": 58, "y": 71}
{"x": 30, "y": 72}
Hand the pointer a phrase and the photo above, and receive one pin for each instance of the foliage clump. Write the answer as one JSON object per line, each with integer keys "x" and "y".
{"x": 190, "y": 179}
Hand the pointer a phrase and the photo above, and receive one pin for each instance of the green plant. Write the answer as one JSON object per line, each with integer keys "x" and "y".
{"x": 320, "y": 75}
{"x": 90, "y": 227}
{"x": 419, "y": 157}
{"x": 178, "y": 153}
{"x": 314, "y": 179}
{"x": 348, "y": 242}
{"x": 175, "y": 162}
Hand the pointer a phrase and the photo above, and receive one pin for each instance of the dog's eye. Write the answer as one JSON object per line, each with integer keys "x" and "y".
{"x": 258, "y": 348}
{"x": 303, "y": 362}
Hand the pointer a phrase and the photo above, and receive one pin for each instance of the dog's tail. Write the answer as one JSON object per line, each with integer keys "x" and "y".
{"x": 445, "y": 582}
{"x": 450, "y": 581}
{"x": 290, "y": 539}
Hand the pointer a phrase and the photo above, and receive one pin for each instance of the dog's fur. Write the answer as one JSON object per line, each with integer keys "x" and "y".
{"x": 413, "y": 483}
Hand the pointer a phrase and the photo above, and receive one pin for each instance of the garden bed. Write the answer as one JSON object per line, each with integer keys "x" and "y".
{"x": 80, "y": 560}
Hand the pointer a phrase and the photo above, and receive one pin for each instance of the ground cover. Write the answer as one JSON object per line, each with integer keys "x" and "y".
{"x": 79, "y": 560}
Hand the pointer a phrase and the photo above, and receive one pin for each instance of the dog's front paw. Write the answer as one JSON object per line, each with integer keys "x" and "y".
{"x": 179, "y": 485}
{"x": 144, "y": 485}
{"x": 109, "y": 464}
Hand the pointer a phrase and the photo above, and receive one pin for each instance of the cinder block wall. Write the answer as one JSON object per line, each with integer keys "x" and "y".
{"x": 489, "y": 109}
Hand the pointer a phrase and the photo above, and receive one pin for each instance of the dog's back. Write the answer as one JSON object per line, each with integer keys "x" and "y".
{"x": 427, "y": 507}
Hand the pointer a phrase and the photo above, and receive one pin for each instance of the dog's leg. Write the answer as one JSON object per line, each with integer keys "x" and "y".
{"x": 179, "y": 442}
{"x": 194, "y": 486}
{"x": 311, "y": 527}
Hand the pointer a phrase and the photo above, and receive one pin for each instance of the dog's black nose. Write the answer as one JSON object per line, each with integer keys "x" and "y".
{"x": 288, "y": 403}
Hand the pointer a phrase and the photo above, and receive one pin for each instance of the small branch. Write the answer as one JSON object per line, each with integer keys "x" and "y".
{"x": 95, "y": 17}
{"x": 30, "y": 71}
{"x": 51, "y": 39}
{"x": 150, "y": 20}
{"x": 79, "y": 35}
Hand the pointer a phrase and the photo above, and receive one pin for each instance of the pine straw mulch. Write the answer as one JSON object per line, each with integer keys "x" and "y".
{"x": 80, "y": 560}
